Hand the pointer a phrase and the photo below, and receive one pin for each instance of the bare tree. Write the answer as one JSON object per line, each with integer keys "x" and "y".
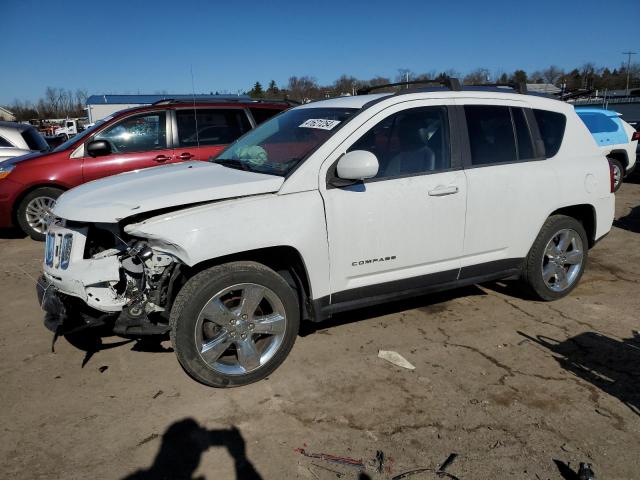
{"x": 405, "y": 75}
{"x": 303, "y": 88}
{"x": 346, "y": 84}
{"x": 478, "y": 76}
{"x": 552, "y": 74}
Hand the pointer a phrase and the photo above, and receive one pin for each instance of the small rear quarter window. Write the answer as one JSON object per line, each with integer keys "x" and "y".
{"x": 551, "y": 126}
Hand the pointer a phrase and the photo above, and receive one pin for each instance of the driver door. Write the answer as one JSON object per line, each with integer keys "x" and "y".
{"x": 403, "y": 230}
{"x": 137, "y": 141}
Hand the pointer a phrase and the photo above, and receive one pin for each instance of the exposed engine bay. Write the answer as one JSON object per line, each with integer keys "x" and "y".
{"x": 120, "y": 278}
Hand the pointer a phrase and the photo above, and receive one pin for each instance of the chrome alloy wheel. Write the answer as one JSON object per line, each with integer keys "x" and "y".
{"x": 36, "y": 213}
{"x": 562, "y": 260}
{"x": 240, "y": 329}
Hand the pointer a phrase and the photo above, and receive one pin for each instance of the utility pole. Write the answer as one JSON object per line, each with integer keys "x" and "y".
{"x": 628, "y": 54}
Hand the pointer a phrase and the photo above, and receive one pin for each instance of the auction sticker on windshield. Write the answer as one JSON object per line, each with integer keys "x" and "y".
{"x": 320, "y": 123}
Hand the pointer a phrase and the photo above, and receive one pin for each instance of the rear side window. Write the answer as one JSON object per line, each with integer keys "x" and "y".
{"x": 4, "y": 142}
{"x": 491, "y": 135}
{"x": 551, "y": 126}
{"x": 210, "y": 126}
{"x": 261, "y": 115}
{"x": 34, "y": 140}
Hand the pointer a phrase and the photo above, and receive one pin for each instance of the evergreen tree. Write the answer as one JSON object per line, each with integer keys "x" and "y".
{"x": 273, "y": 88}
{"x": 256, "y": 91}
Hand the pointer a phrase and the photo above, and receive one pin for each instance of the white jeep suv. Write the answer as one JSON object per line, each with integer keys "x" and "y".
{"x": 328, "y": 207}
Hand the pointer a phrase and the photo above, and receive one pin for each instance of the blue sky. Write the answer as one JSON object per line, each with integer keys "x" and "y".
{"x": 113, "y": 46}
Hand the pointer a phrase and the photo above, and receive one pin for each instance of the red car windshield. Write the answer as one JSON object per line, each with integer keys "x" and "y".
{"x": 277, "y": 146}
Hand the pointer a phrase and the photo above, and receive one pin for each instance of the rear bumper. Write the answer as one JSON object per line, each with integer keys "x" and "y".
{"x": 605, "y": 213}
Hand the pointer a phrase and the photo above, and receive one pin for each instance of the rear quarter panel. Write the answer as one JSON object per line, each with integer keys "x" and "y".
{"x": 583, "y": 174}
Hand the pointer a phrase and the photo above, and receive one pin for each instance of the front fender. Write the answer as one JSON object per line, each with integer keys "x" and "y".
{"x": 206, "y": 232}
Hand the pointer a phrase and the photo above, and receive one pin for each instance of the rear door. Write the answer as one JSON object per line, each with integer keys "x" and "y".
{"x": 204, "y": 132}
{"x": 510, "y": 186}
{"x": 137, "y": 141}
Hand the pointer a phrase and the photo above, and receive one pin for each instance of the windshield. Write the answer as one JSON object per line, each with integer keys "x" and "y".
{"x": 278, "y": 145}
{"x": 75, "y": 138}
{"x": 34, "y": 140}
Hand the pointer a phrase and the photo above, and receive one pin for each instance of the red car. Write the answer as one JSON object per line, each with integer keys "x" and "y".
{"x": 165, "y": 132}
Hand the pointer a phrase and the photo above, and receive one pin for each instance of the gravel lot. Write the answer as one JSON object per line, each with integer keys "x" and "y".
{"x": 519, "y": 389}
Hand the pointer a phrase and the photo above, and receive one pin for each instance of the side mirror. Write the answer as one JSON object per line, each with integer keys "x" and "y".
{"x": 98, "y": 148}
{"x": 357, "y": 165}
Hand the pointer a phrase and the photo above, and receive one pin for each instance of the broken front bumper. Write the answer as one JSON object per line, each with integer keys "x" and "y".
{"x": 52, "y": 304}
{"x": 64, "y": 314}
{"x": 89, "y": 279}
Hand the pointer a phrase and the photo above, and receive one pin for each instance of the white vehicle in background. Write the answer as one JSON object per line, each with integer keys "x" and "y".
{"x": 327, "y": 207}
{"x": 70, "y": 128}
{"x": 17, "y": 139}
{"x": 616, "y": 138}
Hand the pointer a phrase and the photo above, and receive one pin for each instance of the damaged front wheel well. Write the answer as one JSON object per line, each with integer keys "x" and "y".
{"x": 284, "y": 260}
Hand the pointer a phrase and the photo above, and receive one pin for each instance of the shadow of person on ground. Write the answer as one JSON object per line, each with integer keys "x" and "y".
{"x": 182, "y": 447}
{"x": 608, "y": 363}
{"x": 630, "y": 222}
{"x": 565, "y": 470}
{"x": 430, "y": 303}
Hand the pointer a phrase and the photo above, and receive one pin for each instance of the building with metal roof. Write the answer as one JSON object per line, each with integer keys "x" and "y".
{"x": 101, "y": 106}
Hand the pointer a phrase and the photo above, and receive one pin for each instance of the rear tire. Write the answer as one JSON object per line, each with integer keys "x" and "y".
{"x": 234, "y": 324}
{"x": 618, "y": 173}
{"x": 557, "y": 258}
{"x": 31, "y": 213}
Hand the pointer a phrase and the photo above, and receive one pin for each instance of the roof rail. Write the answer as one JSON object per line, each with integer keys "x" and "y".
{"x": 450, "y": 83}
{"x": 519, "y": 87}
{"x": 173, "y": 101}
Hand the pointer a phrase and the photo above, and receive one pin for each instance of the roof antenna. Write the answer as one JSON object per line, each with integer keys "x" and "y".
{"x": 195, "y": 116}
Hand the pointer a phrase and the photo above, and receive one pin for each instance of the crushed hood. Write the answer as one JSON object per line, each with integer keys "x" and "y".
{"x": 113, "y": 198}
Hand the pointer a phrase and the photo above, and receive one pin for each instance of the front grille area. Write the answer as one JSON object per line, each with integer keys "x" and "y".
{"x": 58, "y": 250}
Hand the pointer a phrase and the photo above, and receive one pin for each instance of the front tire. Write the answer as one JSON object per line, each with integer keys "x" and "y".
{"x": 32, "y": 211}
{"x": 234, "y": 324}
{"x": 557, "y": 258}
{"x": 618, "y": 173}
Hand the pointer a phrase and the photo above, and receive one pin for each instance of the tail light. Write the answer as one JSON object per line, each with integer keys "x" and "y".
{"x": 612, "y": 179}
{"x": 635, "y": 136}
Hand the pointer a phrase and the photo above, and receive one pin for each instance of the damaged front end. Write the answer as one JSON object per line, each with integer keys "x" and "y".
{"x": 97, "y": 275}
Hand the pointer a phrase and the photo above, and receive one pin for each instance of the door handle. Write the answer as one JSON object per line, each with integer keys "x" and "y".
{"x": 185, "y": 156}
{"x": 161, "y": 158}
{"x": 441, "y": 191}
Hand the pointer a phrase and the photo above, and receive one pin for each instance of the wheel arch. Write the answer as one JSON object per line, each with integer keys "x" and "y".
{"x": 284, "y": 259}
{"x": 620, "y": 155}
{"x": 585, "y": 214}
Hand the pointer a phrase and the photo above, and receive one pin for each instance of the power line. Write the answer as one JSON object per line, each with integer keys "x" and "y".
{"x": 628, "y": 54}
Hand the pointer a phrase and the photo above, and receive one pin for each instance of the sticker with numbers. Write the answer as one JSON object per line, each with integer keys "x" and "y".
{"x": 320, "y": 123}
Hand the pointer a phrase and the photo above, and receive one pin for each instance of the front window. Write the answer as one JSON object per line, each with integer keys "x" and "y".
{"x": 278, "y": 145}
{"x": 137, "y": 133}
